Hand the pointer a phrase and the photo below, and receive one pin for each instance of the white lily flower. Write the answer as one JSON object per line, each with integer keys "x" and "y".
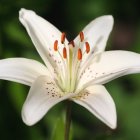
{"x": 74, "y": 70}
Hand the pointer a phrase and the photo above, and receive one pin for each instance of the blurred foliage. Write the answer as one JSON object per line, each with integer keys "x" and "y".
{"x": 70, "y": 16}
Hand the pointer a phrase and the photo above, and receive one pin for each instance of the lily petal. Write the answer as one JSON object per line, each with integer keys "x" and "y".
{"x": 98, "y": 101}
{"x": 21, "y": 70}
{"x": 43, "y": 95}
{"x": 43, "y": 34}
{"x": 96, "y": 34}
{"x": 110, "y": 65}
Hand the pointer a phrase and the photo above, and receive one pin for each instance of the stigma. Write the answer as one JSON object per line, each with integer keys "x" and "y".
{"x": 71, "y": 43}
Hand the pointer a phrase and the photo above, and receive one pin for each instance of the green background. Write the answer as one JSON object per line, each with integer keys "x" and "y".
{"x": 70, "y": 16}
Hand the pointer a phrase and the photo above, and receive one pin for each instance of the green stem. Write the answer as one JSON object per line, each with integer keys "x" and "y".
{"x": 68, "y": 120}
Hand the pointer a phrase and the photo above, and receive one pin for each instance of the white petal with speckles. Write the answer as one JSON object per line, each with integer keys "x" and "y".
{"x": 98, "y": 101}
{"x": 110, "y": 65}
{"x": 43, "y": 34}
{"x": 21, "y": 70}
{"x": 43, "y": 95}
{"x": 96, "y": 34}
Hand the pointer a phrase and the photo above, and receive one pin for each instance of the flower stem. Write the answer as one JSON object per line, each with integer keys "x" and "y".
{"x": 68, "y": 120}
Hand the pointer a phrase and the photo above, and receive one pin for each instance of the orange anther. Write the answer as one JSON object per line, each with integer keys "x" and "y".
{"x": 87, "y": 47}
{"x": 79, "y": 54}
{"x": 63, "y": 36}
{"x": 56, "y": 45}
{"x": 72, "y": 43}
{"x": 64, "y": 53}
{"x": 81, "y": 36}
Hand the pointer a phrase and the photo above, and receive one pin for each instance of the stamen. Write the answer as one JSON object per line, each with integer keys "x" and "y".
{"x": 79, "y": 54}
{"x": 56, "y": 45}
{"x": 87, "y": 47}
{"x": 81, "y": 36}
{"x": 64, "y": 53}
{"x": 72, "y": 43}
{"x": 63, "y": 36}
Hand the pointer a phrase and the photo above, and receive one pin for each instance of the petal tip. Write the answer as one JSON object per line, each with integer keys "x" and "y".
{"x": 24, "y": 12}
{"x": 113, "y": 126}
{"x": 27, "y": 115}
{"x": 109, "y": 18}
{"x": 113, "y": 123}
{"x": 27, "y": 119}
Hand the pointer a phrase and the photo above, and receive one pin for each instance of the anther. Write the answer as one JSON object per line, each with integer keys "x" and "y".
{"x": 56, "y": 45}
{"x": 64, "y": 53}
{"x": 63, "y": 36}
{"x": 81, "y": 36}
{"x": 87, "y": 47}
{"x": 79, "y": 54}
{"x": 72, "y": 43}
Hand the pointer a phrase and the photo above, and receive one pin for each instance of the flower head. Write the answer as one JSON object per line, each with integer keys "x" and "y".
{"x": 74, "y": 70}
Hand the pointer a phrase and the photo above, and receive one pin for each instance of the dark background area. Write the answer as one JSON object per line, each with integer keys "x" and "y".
{"x": 70, "y": 16}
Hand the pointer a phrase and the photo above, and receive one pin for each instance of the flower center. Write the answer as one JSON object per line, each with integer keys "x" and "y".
{"x": 72, "y": 57}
